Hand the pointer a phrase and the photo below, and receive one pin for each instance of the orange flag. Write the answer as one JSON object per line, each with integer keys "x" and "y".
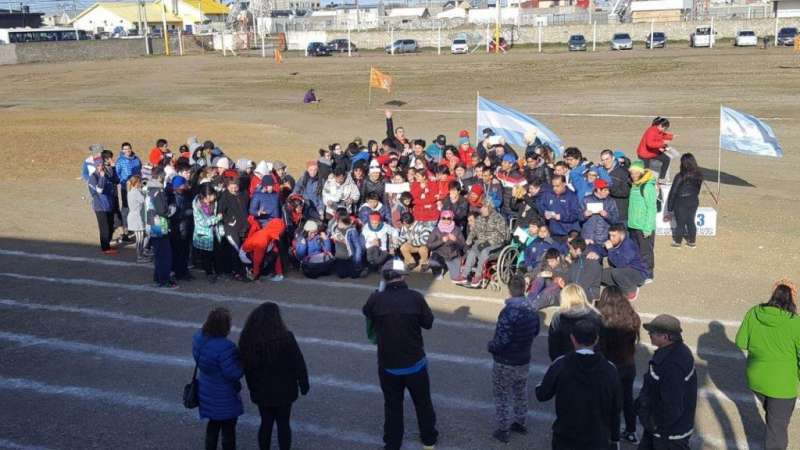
{"x": 380, "y": 80}
{"x": 278, "y": 56}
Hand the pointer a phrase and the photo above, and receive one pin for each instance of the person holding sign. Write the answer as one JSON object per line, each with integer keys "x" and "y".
{"x": 599, "y": 213}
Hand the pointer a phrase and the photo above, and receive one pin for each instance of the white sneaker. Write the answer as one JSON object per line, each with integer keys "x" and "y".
{"x": 277, "y": 278}
{"x": 243, "y": 257}
{"x": 648, "y": 281}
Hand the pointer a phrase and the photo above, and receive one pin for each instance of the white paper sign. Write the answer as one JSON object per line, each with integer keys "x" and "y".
{"x": 397, "y": 188}
{"x": 594, "y": 207}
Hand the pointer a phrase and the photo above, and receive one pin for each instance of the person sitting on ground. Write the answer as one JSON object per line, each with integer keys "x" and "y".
{"x": 310, "y": 97}
{"x": 545, "y": 289}
{"x": 348, "y": 247}
{"x": 517, "y": 326}
{"x": 262, "y": 242}
{"x": 374, "y": 204}
{"x": 535, "y": 250}
{"x": 457, "y": 204}
{"x": 561, "y": 209}
{"x": 586, "y": 273}
{"x": 599, "y": 213}
{"x": 339, "y": 190}
{"x": 626, "y": 271}
{"x": 486, "y": 236}
{"x": 573, "y": 307}
{"x": 414, "y": 236}
{"x": 380, "y": 240}
{"x": 375, "y": 182}
{"x": 314, "y": 251}
{"x": 445, "y": 246}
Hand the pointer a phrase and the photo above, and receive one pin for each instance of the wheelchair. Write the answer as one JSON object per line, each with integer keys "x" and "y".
{"x": 503, "y": 263}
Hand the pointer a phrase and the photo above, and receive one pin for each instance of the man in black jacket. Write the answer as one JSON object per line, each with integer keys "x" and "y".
{"x": 588, "y": 395}
{"x": 620, "y": 187}
{"x": 667, "y": 401}
{"x": 234, "y": 207}
{"x": 397, "y": 315}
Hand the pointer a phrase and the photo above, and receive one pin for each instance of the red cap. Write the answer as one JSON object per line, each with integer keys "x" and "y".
{"x": 230, "y": 173}
{"x": 476, "y": 189}
{"x": 463, "y": 133}
{"x": 375, "y": 214}
{"x": 600, "y": 184}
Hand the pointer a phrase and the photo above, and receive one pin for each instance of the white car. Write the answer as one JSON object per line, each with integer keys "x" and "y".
{"x": 702, "y": 37}
{"x": 459, "y": 47}
{"x": 746, "y": 38}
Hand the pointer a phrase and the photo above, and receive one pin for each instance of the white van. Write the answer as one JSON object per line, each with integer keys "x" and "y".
{"x": 702, "y": 37}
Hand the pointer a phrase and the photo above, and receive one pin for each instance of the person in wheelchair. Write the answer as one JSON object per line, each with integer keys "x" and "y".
{"x": 486, "y": 236}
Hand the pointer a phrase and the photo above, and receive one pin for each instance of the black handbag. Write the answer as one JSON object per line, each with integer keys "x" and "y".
{"x": 190, "y": 396}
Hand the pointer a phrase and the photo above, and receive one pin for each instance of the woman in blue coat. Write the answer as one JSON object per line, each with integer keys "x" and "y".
{"x": 219, "y": 372}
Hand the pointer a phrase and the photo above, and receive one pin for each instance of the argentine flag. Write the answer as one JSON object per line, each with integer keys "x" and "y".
{"x": 743, "y": 133}
{"x": 512, "y": 125}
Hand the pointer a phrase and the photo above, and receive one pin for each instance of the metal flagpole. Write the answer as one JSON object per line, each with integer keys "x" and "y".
{"x": 652, "y": 27}
{"x": 180, "y": 41}
{"x": 477, "y": 108}
{"x": 370, "y": 86}
{"x": 719, "y": 156}
{"x": 594, "y": 36}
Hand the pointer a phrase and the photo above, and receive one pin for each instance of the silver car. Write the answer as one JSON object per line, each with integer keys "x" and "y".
{"x": 621, "y": 41}
{"x": 402, "y": 46}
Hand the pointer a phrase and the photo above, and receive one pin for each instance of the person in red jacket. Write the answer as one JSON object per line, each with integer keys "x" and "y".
{"x": 426, "y": 195}
{"x": 261, "y": 240}
{"x": 654, "y": 143}
{"x": 159, "y": 152}
{"x": 465, "y": 151}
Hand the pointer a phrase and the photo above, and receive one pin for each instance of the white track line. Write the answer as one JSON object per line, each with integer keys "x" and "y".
{"x": 11, "y": 445}
{"x": 171, "y": 407}
{"x": 324, "y": 380}
{"x": 338, "y": 284}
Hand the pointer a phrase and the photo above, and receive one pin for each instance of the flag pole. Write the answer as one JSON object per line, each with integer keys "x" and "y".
{"x": 370, "y": 86}
{"x": 719, "y": 155}
{"x": 477, "y": 108}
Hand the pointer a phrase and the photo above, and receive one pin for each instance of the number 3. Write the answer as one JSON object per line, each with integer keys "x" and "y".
{"x": 700, "y": 220}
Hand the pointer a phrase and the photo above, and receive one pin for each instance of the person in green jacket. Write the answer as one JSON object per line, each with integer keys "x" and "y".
{"x": 206, "y": 218}
{"x": 642, "y": 212}
{"x": 770, "y": 333}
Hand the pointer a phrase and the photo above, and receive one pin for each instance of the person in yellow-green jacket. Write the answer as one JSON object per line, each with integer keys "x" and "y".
{"x": 642, "y": 212}
{"x": 770, "y": 333}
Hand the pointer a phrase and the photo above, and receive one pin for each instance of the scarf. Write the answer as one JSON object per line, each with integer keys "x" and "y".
{"x": 646, "y": 176}
{"x": 446, "y": 228}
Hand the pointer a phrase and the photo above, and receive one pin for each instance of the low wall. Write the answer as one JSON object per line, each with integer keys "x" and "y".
{"x": 676, "y": 31}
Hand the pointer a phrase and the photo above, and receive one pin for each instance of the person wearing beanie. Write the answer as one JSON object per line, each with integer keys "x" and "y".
{"x": 642, "y": 210}
{"x": 310, "y": 187}
{"x": 314, "y": 250}
{"x": 374, "y": 182}
{"x": 599, "y": 213}
{"x": 181, "y": 227}
{"x": 395, "y": 317}
{"x": 446, "y": 246}
{"x": 466, "y": 153}
{"x": 380, "y": 240}
{"x": 285, "y": 181}
{"x": 475, "y": 198}
{"x": 616, "y": 164}
{"x": 435, "y": 150}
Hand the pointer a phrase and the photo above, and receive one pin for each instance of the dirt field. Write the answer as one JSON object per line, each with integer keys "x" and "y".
{"x": 253, "y": 108}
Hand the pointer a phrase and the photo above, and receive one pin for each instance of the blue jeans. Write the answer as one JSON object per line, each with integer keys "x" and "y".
{"x": 162, "y": 256}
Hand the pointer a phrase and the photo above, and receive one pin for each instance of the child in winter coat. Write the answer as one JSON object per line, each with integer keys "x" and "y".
{"x": 205, "y": 236}
{"x": 380, "y": 240}
{"x": 314, "y": 251}
{"x": 348, "y": 248}
{"x": 136, "y": 217}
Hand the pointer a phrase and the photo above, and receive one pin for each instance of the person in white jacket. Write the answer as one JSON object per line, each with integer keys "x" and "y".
{"x": 339, "y": 190}
{"x": 380, "y": 240}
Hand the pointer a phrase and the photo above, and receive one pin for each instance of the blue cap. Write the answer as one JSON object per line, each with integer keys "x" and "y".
{"x": 619, "y": 154}
{"x": 178, "y": 181}
{"x": 508, "y": 157}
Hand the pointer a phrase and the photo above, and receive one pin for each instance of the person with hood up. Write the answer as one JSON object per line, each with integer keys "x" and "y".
{"x": 263, "y": 169}
{"x": 573, "y": 307}
{"x": 770, "y": 334}
{"x": 642, "y": 210}
{"x": 588, "y": 394}
{"x": 314, "y": 251}
{"x": 339, "y": 190}
{"x": 620, "y": 185}
{"x": 599, "y": 213}
{"x": 373, "y": 204}
{"x": 265, "y": 205}
{"x": 380, "y": 240}
{"x": 445, "y": 246}
{"x": 654, "y": 144}
{"x": 159, "y": 210}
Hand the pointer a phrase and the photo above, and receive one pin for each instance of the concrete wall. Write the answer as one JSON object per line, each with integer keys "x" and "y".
{"x": 676, "y": 31}
{"x": 8, "y": 54}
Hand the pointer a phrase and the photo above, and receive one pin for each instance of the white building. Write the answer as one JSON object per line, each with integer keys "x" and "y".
{"x": 112, "y": 17}
{"x": 407, "y": 14}
{"x": 659, "y": 10}
{"x": 489, "y": 15}
{"x": 196, "y": 12}
{"x": 786, "y": 8}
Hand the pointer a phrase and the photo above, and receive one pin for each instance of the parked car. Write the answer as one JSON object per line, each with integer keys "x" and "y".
{"x": 318, "y": 49}
{"x": 459, "y": 46}
{"x": 577, "y": 43}
{"x": 745, "y": 38}
{"x": 621, "y": 41}
{"x": 786, "y": 35}
{"x": 702, "y": 37}
{"x": 340, "y": 45}
{"x": 403, "y": 46}
{"x": 659, "y": 40}
{"x": 503, "y": 45}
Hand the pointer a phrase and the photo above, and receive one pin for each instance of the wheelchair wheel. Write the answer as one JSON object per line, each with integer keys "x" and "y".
{"x": 506, "y": 263}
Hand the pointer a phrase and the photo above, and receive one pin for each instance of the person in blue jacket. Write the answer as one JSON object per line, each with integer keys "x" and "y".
{"x": 266, "y": 203}
{"x": 101, "y": 183}
{"x": 627, "y": 270}
{"x": 536, "y": 249}
{"x": 578, "y": 168}
{"x": 348, "y": 248}
{"x": 314, "y": 251}
{"x": 561, "y": 209}
{"x": 127, "y": 165}
{"x": 374, "y": 204}
{"x": 596, "y": 223}
{"x": 218, "y": 373}
{"x": 310, "y": 187}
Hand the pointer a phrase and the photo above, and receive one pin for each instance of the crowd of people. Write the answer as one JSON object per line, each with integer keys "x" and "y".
{"x": 586, "y": 233}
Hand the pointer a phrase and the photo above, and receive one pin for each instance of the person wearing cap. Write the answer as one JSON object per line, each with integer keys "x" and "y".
{"x": 380, "y": 240}
{"x": 626, "y": 269}
{"x": 104, "y": 197}
{"x": 588, "y": 394}
{"x": 446, "y": 246}
{"x": 314, "y": 250}
{"x": 265, "y": 204}
{"x": 517, "y": 326}
{"x": 620, "y": 185}
{"x": 396, "y": 316}
{"x": 599, "y": 213}
{"x": 466, "y": 153}
{"x": 234, "y": 206}
{"x": 642, "y": 210}
{"x": 487, "y": 235}
{"x": 668, "y": 398}
{"x": 181, "y": 227}
{"x": 310, "y": 187}
{"x": 561, "y": 209}
{"x": 770, "y": 333}
{"x": 339, "y": 190}
{"x": 285, "y": 180}
{"x": 374, "y": 182}
{"x": 435, "y": 150}
{"x": 158, "y": 153}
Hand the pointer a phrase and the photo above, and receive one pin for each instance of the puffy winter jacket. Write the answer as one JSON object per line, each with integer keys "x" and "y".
{"x": 517, "y": 325}
{"x": 306, "y": 247}
{"x": 204, "y": 226}
{"x": 595, "y": 227}
{"x": 385, "y": 234}
{"x": 218, "y": 374}
{"x": 567, "y": 206}
{"x": 127, "y": 167}
{"x": 335, "y": 194}
{"x": 448, "y": 250}
{"x": 365, "y": 210}
{"x": 642, "y": 204}
{"x": 490, "y": 230}
{"x": 652, "y": 143}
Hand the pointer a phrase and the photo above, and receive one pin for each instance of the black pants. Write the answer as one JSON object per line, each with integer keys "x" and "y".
{"x": 627, "y": 374}
{"x": 231, "y": 252}
{"x": 626, "y": 279}
{"x": 105, "y": 223}
{"x": 206, "y": 260}
{"x": 162, "y": 257}
{"x": 664, "y": 161}
{"x": 269, "y": 416}
{"x": 181, "y": 243}
{"x": 685, "y": 209}
{"x": 316, "y": 270}
{"x": 393, "y": 387}
{"x": 123, "y": 191}
{"x": 565, "y": 443}
{"x": 228, "y": 429}
{"x": 345, "y": 268}
{"x": 376, "y": 258}
{"x": 646, "y": 248}
{"x": 778, "y": 414}
{"x": 650, "y": 442}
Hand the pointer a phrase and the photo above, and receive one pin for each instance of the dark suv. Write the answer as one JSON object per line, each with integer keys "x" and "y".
{"x": 786, "y": 36}
{"x": 318, "y": 49}
{"x": 340, "y": 45}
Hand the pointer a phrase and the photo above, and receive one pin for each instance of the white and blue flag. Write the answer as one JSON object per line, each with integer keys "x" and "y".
{"x": 512, "y": 125}
{"x": 743, "y": 133}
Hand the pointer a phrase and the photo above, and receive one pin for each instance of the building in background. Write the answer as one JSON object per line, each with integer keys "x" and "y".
{"x": 197, "y": 13}
{"x": 786, "y": 8}
{"x": 124, "y": 18}
{"x": 60, "y": 19}
{"x": 660, "y": 10}
{"x": 21, "y": 18}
